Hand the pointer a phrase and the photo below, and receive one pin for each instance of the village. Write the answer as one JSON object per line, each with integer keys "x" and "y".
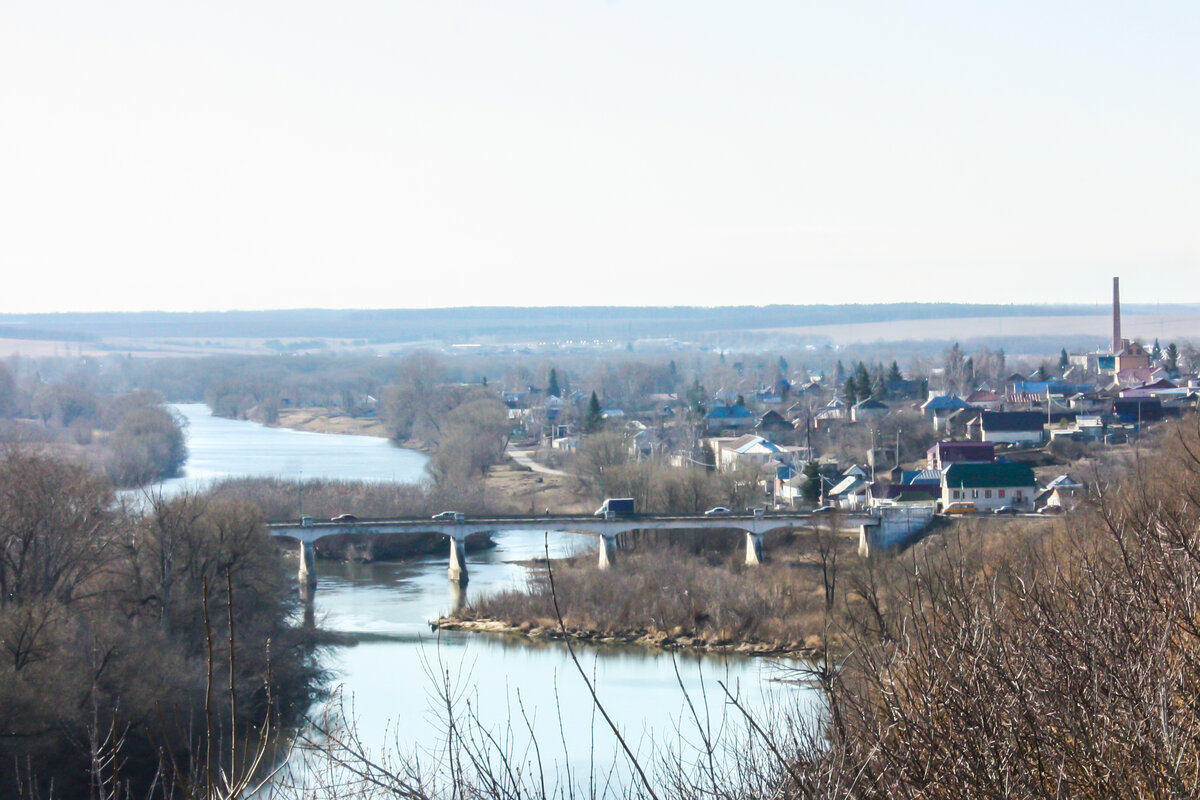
{"x": 850, "y": 439}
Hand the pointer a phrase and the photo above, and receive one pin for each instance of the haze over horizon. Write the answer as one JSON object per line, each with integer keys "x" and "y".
{"x": 410, "y": 155}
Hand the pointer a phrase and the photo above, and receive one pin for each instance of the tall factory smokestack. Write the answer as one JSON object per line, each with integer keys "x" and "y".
{"x": 1116, "y": 348}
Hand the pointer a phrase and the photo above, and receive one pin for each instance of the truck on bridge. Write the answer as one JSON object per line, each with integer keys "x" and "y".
{"x": 616, "y": 507}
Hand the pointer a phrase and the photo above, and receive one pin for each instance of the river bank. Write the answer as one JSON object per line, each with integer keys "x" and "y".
{"x": 659, "y": 640}
{"x": 512, "y": 486}
{"x": 319, "y": 419}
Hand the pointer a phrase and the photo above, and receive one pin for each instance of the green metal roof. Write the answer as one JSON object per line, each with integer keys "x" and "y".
{"x": 988, "y": 476}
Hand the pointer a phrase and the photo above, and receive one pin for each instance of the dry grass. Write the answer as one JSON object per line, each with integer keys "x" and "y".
{"x": 701, "y": 595}
{"x": 331, "y": 420}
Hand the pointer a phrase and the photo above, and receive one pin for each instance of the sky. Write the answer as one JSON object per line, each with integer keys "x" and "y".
{"x": 391, "y": 154}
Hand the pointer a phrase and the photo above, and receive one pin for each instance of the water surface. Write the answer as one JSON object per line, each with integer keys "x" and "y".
{"x": 393, "y": 682}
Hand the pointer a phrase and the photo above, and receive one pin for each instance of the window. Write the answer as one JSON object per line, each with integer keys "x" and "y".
{"x": 974, "y": 494}
{"x": 1001, "y": 494}
{"x": 956, "y": 494}
{"x": 987, "y": 493}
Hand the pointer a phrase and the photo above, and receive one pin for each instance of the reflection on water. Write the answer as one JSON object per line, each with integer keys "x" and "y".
{"x": 531, "y": 685}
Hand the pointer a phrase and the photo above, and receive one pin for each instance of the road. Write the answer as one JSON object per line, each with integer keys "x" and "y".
{"x": 525, "y": 459}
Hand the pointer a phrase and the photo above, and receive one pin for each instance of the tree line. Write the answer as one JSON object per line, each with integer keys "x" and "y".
{"x": 110, "y": 619}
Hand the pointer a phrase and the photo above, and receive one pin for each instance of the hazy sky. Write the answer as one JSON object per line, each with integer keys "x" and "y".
{"x": 383, "y": 153}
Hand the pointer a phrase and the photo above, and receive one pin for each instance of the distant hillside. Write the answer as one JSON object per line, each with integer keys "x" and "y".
{"x": 509, "y": 324}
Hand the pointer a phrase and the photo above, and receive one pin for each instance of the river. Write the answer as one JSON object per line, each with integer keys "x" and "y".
{"x": 388, "y": 681}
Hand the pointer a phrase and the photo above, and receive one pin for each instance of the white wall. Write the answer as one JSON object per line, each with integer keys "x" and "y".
{"x": 1019, "y": 497}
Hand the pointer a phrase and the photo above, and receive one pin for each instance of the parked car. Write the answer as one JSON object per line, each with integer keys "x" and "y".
{"x": 718, "y": 510}
{"x": 1050, "y": 510}
{"x": 344, "y": 518}
{"x": 961, "y": 508}
{"x": 824, "y": 510}
{"x": 451, "y": 516}
{"x": 1005, "y": 510}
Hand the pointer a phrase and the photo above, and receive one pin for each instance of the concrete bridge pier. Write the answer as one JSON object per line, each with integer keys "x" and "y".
{"x": 306, "y": 577}
{"x": 608, "y": 550}
{"x": 458, "y": 596}
{"x": 458, "y": 559}
{"x": 754, "y": 549}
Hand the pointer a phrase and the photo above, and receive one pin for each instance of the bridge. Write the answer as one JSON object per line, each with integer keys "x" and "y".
{"x": 883, "y": 526}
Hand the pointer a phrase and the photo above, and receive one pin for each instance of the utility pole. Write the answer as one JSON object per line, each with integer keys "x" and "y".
{"x": 872, "y": 455}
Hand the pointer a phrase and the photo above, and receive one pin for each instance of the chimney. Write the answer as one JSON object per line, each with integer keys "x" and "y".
{"x": 1116, "y": 343}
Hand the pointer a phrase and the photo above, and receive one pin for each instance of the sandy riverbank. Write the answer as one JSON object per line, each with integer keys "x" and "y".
{"x": 330, "y": 420}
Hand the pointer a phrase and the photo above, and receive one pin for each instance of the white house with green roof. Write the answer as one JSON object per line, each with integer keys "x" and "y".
{"x": 989, "y": 486}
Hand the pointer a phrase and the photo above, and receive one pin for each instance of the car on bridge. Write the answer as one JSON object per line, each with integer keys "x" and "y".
{"x": 344, "y": 518}
{"x": 718, "y": 511}
{"x": 449, "y": 516}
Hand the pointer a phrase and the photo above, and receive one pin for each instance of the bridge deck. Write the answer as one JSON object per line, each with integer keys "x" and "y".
{"x": 569, "y": 523}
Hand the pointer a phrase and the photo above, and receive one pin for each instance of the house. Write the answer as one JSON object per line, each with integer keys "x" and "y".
{"x": 921, "y": 484}
{"x": 789, "y": 485}
{"x": 770, "y": 397}
{"x": 1088, "y": 403}
{"x": 855, "y": 469}
{"x": 943, "y": 454}
{"x": 868, "y": 410}
{"x": 1063, "y": 492}
{"x": 850, "y": 493}
{"x": 646, "y": 443}
{"x": 750, "y": 450}
{"x": 1091, "y": 427}
{"x": 772, "y": 421}
{"x": 940, "y": 408}
{"x": 1043, "y": 389}
{"x": 990, "y": 486}
{"x": 1009, "y": 427}
{"x": 832, "y": 414}
{"x": 900, "y": 493}
{"x": 1160, "y": 388}
{"x": 985, "y": 399}
{"x": 920, "y": 477}
{"x": 729, "y": 418}
{"x": 567, "y": 444}
{"x": 1135, "y": 376}
{"x": 808, "y": 391}
{"x": 1131, "y": 356}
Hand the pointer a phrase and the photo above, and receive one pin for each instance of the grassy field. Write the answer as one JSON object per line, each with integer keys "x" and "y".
{"x": 1165, "y": 327}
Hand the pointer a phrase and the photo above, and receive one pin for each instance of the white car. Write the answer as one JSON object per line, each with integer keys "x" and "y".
{"x": 719, "y": 510}
{"x": 449, "y": 516}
